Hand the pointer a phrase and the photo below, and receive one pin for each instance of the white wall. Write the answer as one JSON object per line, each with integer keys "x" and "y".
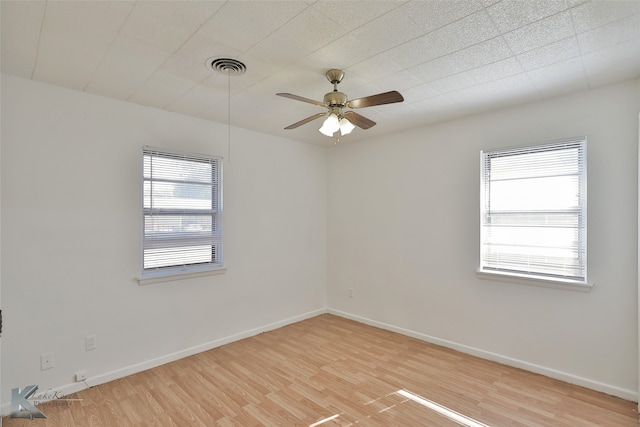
{"x": 404, "y": 234}
{"x": 71, "y": 226}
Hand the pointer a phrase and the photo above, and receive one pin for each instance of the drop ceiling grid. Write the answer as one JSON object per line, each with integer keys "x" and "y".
{"x": 468, "y": 54}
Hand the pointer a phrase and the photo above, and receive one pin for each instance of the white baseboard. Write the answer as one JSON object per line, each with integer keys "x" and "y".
{"x": 75, "y": 387}
{"x": 505, "y": 360}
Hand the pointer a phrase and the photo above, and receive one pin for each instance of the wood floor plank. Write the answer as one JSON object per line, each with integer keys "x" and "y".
{"x": 329, "y": 371}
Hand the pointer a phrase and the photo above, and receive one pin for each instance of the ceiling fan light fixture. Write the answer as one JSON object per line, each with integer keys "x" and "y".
{"x": 335, "y": 102}
{"x": 331, "y": 125}
{"x": 345, "y": 126}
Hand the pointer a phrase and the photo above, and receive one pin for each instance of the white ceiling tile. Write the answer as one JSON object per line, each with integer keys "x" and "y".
{"x": 511, "y": 14}
{"x": 161, "y": 89}
{"x": 620, "y": 62}
{"x": 440, "y": 104}
{"x": 475, "y": 56}
{"x": 513, "y": 87}
{"x": 486, "y": 73}
{"x": 432, "y": 15}
{"x": 472, "y": 96}
{"x": 298, "y": 79}
{"x": 274, "y": 119}
{"x": 299, "y": 37}
{"x": 187, "y": 67}
{"x": 388, "y": 31}
{"x": 74, "y": 39}
{"x": 550, "y": 54}
{"x": 540, "y": 33}
{"x": 574, "y": 3}
{"x": 215, "y": 115}
{"x": 466, "y": 32}
{"x": 167, "y": 24}
{"x": 375, "y": 68}
{"x": 277, "y": 52}
{"x": 341, "y": 53}
{"x": 199, "y": 99}
{"x": 257, "y": 96}
{"x": 201, "y": 47}
{"x": 86, "y": 17}
{"x": 610, "y": 34}
{"x": 470, "y": 100}
{"x": 70, "y": 64}
{"x": 20, "y": 25}
{"x": 351, "y": 14}
{"x": 417, "y": 94}
{"x": 415, "y": 52}
{"x": 310, "y": 30}
{"x": 127, "y": 65}
{"x": 560, "y": 78}
{"x": 401, "y": 80}
{"x": 222, "y": 82}
{"x": 502, "y": 93}
{"x": 594, "y": 14}
{"x": 242, "y": 24}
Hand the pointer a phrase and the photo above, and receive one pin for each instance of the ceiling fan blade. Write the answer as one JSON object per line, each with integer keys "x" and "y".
{"x": 359, "y": 120}
{"x": 301, "y": 98}
{"x": 379, "y": 99}
{"x": 307, "y": 120}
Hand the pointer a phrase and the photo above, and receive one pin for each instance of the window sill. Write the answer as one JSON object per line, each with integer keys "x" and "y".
{"x": 523, "y": 279}
{"x": 151, "y": 278}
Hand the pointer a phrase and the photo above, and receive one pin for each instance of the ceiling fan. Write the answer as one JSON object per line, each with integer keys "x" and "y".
{"x": 336, "y": 102}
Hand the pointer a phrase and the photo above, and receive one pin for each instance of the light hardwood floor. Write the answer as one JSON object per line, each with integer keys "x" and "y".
{"x": 328, "y": 371}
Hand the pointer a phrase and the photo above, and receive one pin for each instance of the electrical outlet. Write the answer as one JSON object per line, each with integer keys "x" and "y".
{"x": 46, "y": 361}
{"x": 90, "y": 342}
{"x": 81, "y": 376}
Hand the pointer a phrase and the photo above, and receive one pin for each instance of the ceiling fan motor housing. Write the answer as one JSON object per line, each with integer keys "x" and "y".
{"x": 335, "y": 99}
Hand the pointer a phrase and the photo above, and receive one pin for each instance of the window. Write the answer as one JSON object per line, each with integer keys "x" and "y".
{"x": 534, "y": 211}
{"x": 182, "y": 208}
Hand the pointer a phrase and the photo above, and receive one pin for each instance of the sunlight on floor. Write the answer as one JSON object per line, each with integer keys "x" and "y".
{"x": 333, "y": 417}
{"x": 429, "y": 404}
{"x": 452, "y": 415}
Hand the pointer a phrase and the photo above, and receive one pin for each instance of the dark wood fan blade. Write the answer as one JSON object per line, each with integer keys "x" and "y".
{"x": 301, "y": 98}
{"x": 307, "y": 120}
{"x": 359, "y": 120}
{"x": 379, "y": 99}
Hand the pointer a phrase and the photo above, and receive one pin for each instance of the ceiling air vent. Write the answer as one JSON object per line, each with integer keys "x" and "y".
{"x": 226, "y": 66}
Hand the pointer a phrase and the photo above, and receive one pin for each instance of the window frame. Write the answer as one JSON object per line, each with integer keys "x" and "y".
{"x": 536, "y": 278}
{"x": 182, "y": 270}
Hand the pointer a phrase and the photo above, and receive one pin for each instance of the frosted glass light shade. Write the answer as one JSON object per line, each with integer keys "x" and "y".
{"x": 330, "y": 125}
{"x": 346, "y": 126}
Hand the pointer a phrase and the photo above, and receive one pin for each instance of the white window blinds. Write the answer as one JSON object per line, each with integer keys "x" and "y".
{"x": 534, "y": 210}
{"x": 182, "y": 207}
